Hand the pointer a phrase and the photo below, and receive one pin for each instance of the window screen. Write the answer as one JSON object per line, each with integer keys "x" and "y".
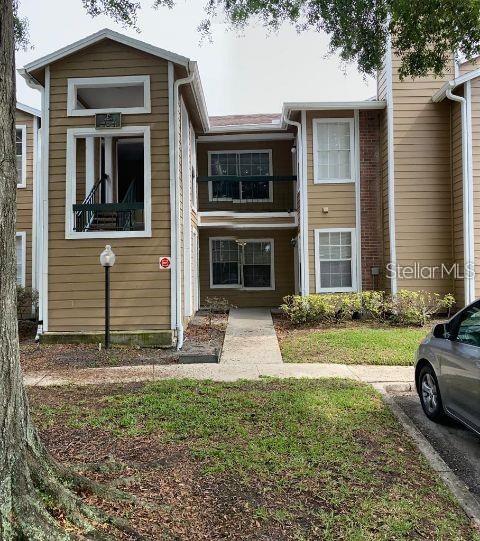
{"x": 335, "y": 259}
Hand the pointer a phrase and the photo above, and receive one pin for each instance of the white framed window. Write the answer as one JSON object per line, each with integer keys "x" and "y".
{"x": 140, "y": 136}
{"x": 21, "y": 154}
{"x": 333, "y": 150}
{"x": 128, "y": 95}
{"x": 21, "y": 250}
{"x": 242, "y": 263}
{"x": 240, "y": 164}
{"x": 335, "y": 260}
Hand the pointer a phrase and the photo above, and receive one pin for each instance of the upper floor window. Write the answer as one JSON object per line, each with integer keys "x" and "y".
{"x": 21, "y": 154}
{"x": 333, "y": 150}
{"x": 127, "y": 95}
{"x": 246, "y": 169}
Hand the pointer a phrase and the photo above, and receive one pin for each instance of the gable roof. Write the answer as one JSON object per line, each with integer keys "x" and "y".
{"x": 29, "y": 110}
{"x": 249, "y": 120}
{"x": 106, "y": 33}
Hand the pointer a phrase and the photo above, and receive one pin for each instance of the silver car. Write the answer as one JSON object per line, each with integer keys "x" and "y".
{"x": 447, "y": 369}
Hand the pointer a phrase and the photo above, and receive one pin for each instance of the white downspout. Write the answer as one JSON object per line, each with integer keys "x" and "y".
{"x": 177, "y": 225}
{"x": 467, "y": 198}
{"x": 303, "y": 229}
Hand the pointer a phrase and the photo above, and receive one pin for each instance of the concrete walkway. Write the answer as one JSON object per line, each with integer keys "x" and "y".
{"x": 250, "y": 338}
{"x": 381, "y": 375}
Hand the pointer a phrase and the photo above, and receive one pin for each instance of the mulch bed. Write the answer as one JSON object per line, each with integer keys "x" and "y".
{"x": 201, "y": 335}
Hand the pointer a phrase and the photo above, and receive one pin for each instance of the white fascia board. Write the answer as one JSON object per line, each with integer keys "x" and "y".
{"x": 441, "y": 93}
{"x": 247, "y": 128}
{"x": 29, "y": 110}
{"x": 332, "y": 105}
{"x": 106, "y": 33}
{"x": 281, "y": 136}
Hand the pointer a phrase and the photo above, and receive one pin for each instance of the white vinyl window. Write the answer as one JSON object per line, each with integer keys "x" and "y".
{"x": 20, "y": 243}
{"x": 242, "y": 263}
{"x": 333, "y": 150}
{"x": 335, "y": 266}
{"x": 240, "y": 165}
{"x": 128, "y": 95}
{"x": 21, "y": 155}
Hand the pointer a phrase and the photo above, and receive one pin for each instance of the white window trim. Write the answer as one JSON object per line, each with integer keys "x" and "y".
{"x": 353, "y": 235}
{"x": 23, "y": 236}
{"x": 239, "y": 286}
{"x": 70, "y": 195}
{"x": 100, "y": 82}
{"x": 316, "y": 149}
{"x": 23, "y": 127}
{"x": 211, "y": 199}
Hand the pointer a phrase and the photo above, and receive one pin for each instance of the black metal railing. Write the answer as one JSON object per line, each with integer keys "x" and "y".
{"x": 128, "y": 215}
{"x": 273, "y": 192}
{"x": 109, "y": 217}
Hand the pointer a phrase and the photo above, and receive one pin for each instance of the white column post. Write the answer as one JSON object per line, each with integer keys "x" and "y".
{"x": 89, "y": 164}
{"x": 109, "y": 169}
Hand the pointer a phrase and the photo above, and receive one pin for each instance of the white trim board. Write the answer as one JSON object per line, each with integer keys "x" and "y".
{"x": 105, "y": 33}
{"x": 75, "y": 83}
{"x": 286, "y": 136}
{"x": 70, "y": 193}
{"x": 353, "y": 259}
{"x": 29, "y": 110}
{"x": 23, "y": 128}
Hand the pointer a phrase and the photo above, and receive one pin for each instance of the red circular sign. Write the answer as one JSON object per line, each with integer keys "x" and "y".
{"x": 165, "y": 262}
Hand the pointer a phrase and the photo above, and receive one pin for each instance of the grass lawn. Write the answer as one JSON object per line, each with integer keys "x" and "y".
{"x": 296, "y": 460}
{"x": 355, "y": 344}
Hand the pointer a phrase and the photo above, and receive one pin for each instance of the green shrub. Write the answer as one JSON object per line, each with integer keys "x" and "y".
{"x": 417, "y": 307}
{"x": 27, "y": 302}
{"x": 407, "y": 308}
{"x": 322, "y": 308}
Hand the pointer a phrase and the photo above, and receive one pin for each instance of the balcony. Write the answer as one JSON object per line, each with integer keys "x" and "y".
{"x": 247, "y": 194}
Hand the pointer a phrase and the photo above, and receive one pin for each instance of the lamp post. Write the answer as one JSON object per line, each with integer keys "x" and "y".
{"x": 107, "y": 260}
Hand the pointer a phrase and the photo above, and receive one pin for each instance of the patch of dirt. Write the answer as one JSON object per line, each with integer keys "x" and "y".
{"x": 203, "y": 336}
{"x": 179, "y": 501}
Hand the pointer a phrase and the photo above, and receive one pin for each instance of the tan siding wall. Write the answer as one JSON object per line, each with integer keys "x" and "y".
{"x": 284, "y": 271}
{"x": 475, "y": 87}
{"x": 140, "y": 292}
{"x": 339, "y": 198}
{"x": 422, "y": 178}
{"x": 457, "y": 198}
{"x": 469, "y": 66}
{"x": 282, "y": 166}
{"x": 25, "y": 195}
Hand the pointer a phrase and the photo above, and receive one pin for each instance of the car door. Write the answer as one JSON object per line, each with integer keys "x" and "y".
{"x": 459, "y": 359}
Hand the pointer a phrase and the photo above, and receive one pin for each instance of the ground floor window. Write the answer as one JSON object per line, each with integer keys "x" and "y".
{"x": 20, "y": 241}
{"x": 241, "y": 263}
{"x": 335, "y": 260}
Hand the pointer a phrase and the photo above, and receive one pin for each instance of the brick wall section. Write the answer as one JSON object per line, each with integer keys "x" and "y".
{"x": 370, "y": 198}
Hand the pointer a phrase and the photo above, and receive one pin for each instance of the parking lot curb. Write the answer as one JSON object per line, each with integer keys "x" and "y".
{"x": 459, "y": 490}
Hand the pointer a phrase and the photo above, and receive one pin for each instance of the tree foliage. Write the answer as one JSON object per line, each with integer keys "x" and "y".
{"x": 424, "y": 33}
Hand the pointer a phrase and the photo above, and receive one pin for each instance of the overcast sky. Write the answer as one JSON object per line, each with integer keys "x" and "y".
{"x": 249, "y": 73}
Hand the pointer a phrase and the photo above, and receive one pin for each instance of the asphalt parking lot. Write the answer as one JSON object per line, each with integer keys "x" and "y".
{"x": 458, "y": 447}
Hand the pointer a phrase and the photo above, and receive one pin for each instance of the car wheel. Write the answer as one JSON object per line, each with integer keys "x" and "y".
{"x": 430, "y": 394}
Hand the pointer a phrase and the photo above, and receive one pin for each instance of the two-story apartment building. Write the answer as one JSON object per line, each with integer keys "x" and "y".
{"x": 324, "y": 197}
{"x": 27, "y": 129}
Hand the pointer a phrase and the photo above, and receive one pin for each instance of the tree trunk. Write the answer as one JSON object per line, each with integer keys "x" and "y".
{"x": 32, "y": 483}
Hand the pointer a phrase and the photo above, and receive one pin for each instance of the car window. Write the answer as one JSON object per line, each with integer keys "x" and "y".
{"x": 469, "y": 326}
